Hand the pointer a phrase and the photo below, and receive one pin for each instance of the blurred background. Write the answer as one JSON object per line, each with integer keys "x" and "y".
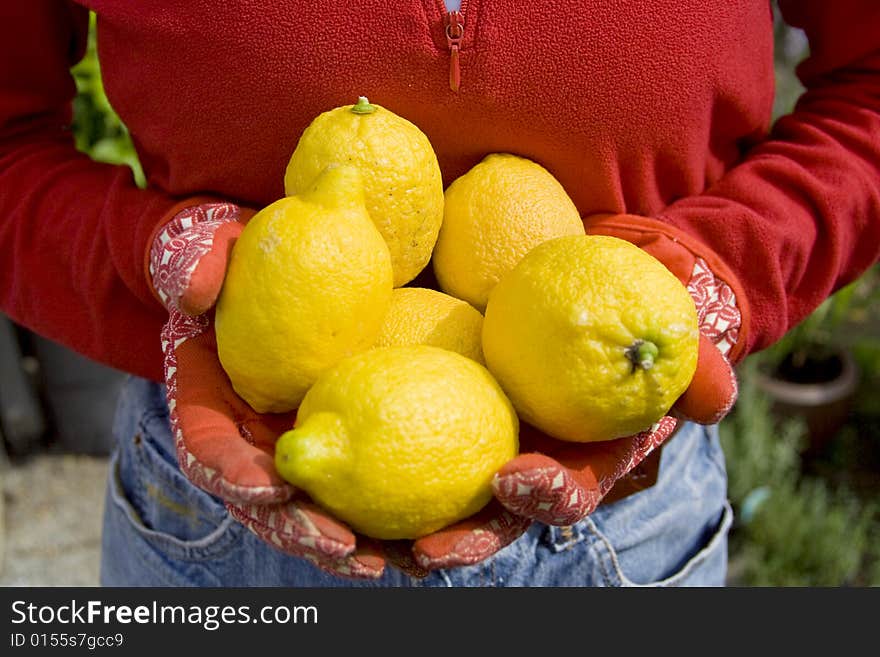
{"x": 802, "y": 443}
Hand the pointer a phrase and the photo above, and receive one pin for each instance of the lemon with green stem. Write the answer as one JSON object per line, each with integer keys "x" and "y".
{"x": 591, "y": 337}
{"x": 403, "y": 187}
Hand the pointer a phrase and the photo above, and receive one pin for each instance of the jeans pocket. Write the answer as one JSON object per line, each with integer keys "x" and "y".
{"x": 214, "y": 542}
{"x": 674, "y": 533}
{"x": 148, "y": 490}
{"x": 671, "y": 534}
{"x": 706, "y": 566}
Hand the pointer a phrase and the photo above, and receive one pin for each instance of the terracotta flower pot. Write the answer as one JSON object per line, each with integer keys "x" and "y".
{"x": 819, "y": 390}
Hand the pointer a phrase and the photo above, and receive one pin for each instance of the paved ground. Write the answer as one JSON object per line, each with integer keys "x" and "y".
{"x": 50, "y": 527}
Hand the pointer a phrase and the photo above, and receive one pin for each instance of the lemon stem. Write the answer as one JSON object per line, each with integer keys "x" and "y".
{"x": 642, "y": 354}
{"x": 363, "y": 106}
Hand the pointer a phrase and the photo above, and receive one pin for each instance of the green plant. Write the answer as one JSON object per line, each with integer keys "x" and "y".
{"x": 790, "y": 49}
{"x": 760, "y": 449}
{"x": 809, "y": 534}
{"x": 792, "y": 528}
{"x": 98, "y": 130}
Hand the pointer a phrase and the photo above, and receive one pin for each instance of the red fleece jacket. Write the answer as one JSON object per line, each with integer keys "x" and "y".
{"x": 660, "y": 108}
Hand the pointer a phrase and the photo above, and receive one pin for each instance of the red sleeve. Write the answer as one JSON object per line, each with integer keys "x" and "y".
{"x": 73, "y": 233}
{"x": 800, "y": 216}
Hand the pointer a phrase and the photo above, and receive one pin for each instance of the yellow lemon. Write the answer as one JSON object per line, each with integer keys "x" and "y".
{"x": 308, "y": 284}
{"x": 422, "y": 316}
{"x": 493, "y": 215}
{"x": 402, "y": 182}
{"x": 399, "y": 442}
{"x": 591, "y": 338}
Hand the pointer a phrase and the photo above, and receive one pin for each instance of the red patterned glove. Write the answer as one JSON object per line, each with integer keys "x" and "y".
{"x": 559, "y": 482}
{"x": 188, "y": 256}
{"x": 226, "y": 448}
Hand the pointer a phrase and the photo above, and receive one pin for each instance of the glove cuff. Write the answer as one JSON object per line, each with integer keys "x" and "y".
{"x": 721, "y": 301}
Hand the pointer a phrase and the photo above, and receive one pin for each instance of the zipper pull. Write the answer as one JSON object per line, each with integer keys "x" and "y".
{"x": 454, "y": 35}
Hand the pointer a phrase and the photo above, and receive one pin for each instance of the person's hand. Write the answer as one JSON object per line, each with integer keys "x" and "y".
{"x": 560, "y": 483}
{"x": 227, "y": 449}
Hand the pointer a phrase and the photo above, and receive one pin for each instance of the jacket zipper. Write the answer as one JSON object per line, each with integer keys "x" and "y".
{"x": 454, "y": 35}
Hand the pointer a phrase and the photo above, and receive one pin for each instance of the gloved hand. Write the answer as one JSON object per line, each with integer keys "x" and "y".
{"x": 560, "y": 483}
{"x": 227, "y": 449}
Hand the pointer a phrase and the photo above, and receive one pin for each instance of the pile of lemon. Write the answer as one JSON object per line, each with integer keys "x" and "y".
{"x": 409, "y": 398}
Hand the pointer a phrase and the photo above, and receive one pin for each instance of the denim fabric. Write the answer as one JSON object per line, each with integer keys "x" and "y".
{"x": 159, "y": 530}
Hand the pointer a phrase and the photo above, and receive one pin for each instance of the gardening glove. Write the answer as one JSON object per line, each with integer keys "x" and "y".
{"x": 227, "y": 449}
{"x": 560, "y": 483}
{"x": 223, "y": 445}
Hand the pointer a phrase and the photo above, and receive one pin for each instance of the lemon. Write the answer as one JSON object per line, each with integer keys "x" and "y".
{"x": 402, "y": 182}
{"x": 422, "y": 316}
{"x": 308, "y": 284}
{"x": 493, "y": 215}
{"x": 591, "y": 338}
{"x": 399, "y": 442}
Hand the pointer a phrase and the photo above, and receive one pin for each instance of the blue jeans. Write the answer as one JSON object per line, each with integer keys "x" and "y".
{"x": 160, "y": 530}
